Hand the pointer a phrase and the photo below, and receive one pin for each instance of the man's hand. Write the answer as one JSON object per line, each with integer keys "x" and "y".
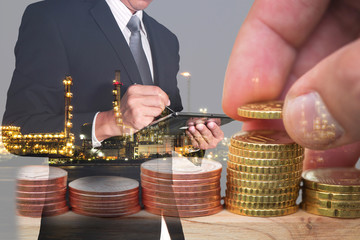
{"x": 205, "y": 136}
{"x": 306, "y": 52}
{"x": 139, "y": 106}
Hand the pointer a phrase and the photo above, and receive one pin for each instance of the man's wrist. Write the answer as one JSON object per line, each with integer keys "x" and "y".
{"x": 105, "y": 126}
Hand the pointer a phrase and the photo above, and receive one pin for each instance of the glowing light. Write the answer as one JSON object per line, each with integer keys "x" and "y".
{"x": 185, "y": 74}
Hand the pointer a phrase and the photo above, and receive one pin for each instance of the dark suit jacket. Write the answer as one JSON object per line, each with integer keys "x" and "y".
{"x": 80, "y": 38}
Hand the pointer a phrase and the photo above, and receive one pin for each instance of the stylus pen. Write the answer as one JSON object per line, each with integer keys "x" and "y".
{"x": 172, "y": 111}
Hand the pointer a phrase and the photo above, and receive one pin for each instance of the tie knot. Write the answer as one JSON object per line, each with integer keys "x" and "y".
{"x": 134, "y": 24}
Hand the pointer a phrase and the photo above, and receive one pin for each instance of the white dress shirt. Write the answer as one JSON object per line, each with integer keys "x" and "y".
{"x": 122, "y": 16}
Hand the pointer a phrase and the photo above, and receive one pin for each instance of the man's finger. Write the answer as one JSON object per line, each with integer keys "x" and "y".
{"x": 215, "y": 130}
{"x": 192, "y": 139}
{"x": 202, "y": 144}
{"x": 322, "y": 108}
{"x": 265, "y": 50}
{"x": 205, "y": 133}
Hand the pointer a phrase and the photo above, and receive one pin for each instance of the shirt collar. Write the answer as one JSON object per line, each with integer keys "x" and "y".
{"x": 125, "y": 15}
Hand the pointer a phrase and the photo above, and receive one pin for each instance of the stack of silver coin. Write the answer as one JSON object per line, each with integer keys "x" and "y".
{"x": 41, "y": 191}
{"x": 104, "y": 196}
{"x": 177, "y": 187}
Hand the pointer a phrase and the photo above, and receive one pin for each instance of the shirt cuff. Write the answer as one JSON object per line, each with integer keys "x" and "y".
{"x": 95, "y": 141}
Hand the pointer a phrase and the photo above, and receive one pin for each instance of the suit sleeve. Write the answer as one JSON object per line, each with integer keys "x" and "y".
{"x": 35, "y": 99}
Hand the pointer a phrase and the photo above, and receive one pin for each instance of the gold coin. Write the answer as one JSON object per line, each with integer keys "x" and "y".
{"x": 263, "y": 177}
{"x": 266, "y": 154}
{"x": 264, "y": 162}
{"x": 308, "y": 193}
{"x": 264, "y": 140}
{"x": 263, "y": 184}
{"x": 345, "y": 205}
{"x": 261, "y": 199}
{"x": 263, "y": 191}
{"x": 265, "y": 170}
{"x": 263, "y": 212}
{"x": 262, "y": 110}
{"x": 336, "y": 180}
{"x": 338, "y": 213}
{"x": 250, "y": 205}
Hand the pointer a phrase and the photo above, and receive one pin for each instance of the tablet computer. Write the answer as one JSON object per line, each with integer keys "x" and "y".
{"x": 177, "y": 122}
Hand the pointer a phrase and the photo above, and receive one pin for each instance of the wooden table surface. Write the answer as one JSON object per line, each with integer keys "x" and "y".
{"x": 226, "y": 225}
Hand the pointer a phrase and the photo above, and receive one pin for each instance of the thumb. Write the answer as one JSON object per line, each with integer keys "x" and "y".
{"x": 322, "y": 109}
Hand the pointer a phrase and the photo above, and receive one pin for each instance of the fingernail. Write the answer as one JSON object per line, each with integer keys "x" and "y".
{"x": 192, "y": 129}
{"x": 169, "y": 103}
{"x": 211, "y": 125}
{"x": 309, "y": 122}
{"x": 199, "y": 127}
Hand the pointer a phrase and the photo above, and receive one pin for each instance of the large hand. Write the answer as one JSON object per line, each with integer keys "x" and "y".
{"x": 139, "y": 106}
{"x": 307, "y": 51}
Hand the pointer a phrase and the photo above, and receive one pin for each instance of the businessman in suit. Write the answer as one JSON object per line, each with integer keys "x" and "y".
{"x": 90, "y": 39}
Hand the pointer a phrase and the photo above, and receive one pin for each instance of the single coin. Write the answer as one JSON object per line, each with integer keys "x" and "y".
{"x": 265, "y": 154}
{"x": 53, "y": 194}
{"x": 176, "y": 182}
{"x": 104, "y": 204}
{"x": 181, "y": 201}
{"x": 264, "y": 140}
{"x": 251, "y": 205}
{"x": 88, "y": 197}
{"x": 263, "y": 177}
{"x": 308, "y": 193}
{"x": 181, "y": 207}
{"x": 344, "y": 205}
{"x": 263, "y": 191}
{"x": 41, "y": 207}
{"x": 184, "y": 214}
{"x": 265, "y": 170}
{"x": 338, "y": 213}
{"x": 262, "y": 110}
{"x": 41, "y": 175}
{"x": 179, "y": 188}
{"x": 181, "y": 168}
{"x": 40, "y": 200}
{"x": 263, "y": 184}
{"x": 265, "y": 162}
{"x": 187, "y": 195}
{"x": 39, "y": 188}
{"x": 37, "y": 214}
{"x": 104, "y": 185}
{"x": 261, "y": 199}
{"x": 108, "y": 215}
{"x": 336, "y": 180}
{"x": 263, "y": 212}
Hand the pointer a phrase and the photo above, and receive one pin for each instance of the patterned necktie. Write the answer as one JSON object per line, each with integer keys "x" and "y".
{"x": 138, "y": 51}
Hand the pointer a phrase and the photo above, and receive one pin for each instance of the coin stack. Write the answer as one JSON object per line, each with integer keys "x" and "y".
{"x": 264, "y": 173}
{"x": 332, "y": 192}
{"x": 177, "y": 187}
{"x": 104, "y": 196}
{"x": 41, "y": 191}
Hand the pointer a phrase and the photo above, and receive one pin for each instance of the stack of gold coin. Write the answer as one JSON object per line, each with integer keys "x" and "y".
{"x": 41, "y": 191}
{"x": 332, "y": 192}
{"x": 104, "y": 196}
{"x": 177, "y": 187}
{"x": 264, "y": 167}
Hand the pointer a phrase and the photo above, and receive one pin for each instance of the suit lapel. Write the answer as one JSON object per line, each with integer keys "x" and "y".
{"x": 105, "y": 20}
{"x": 154, "y": 45}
